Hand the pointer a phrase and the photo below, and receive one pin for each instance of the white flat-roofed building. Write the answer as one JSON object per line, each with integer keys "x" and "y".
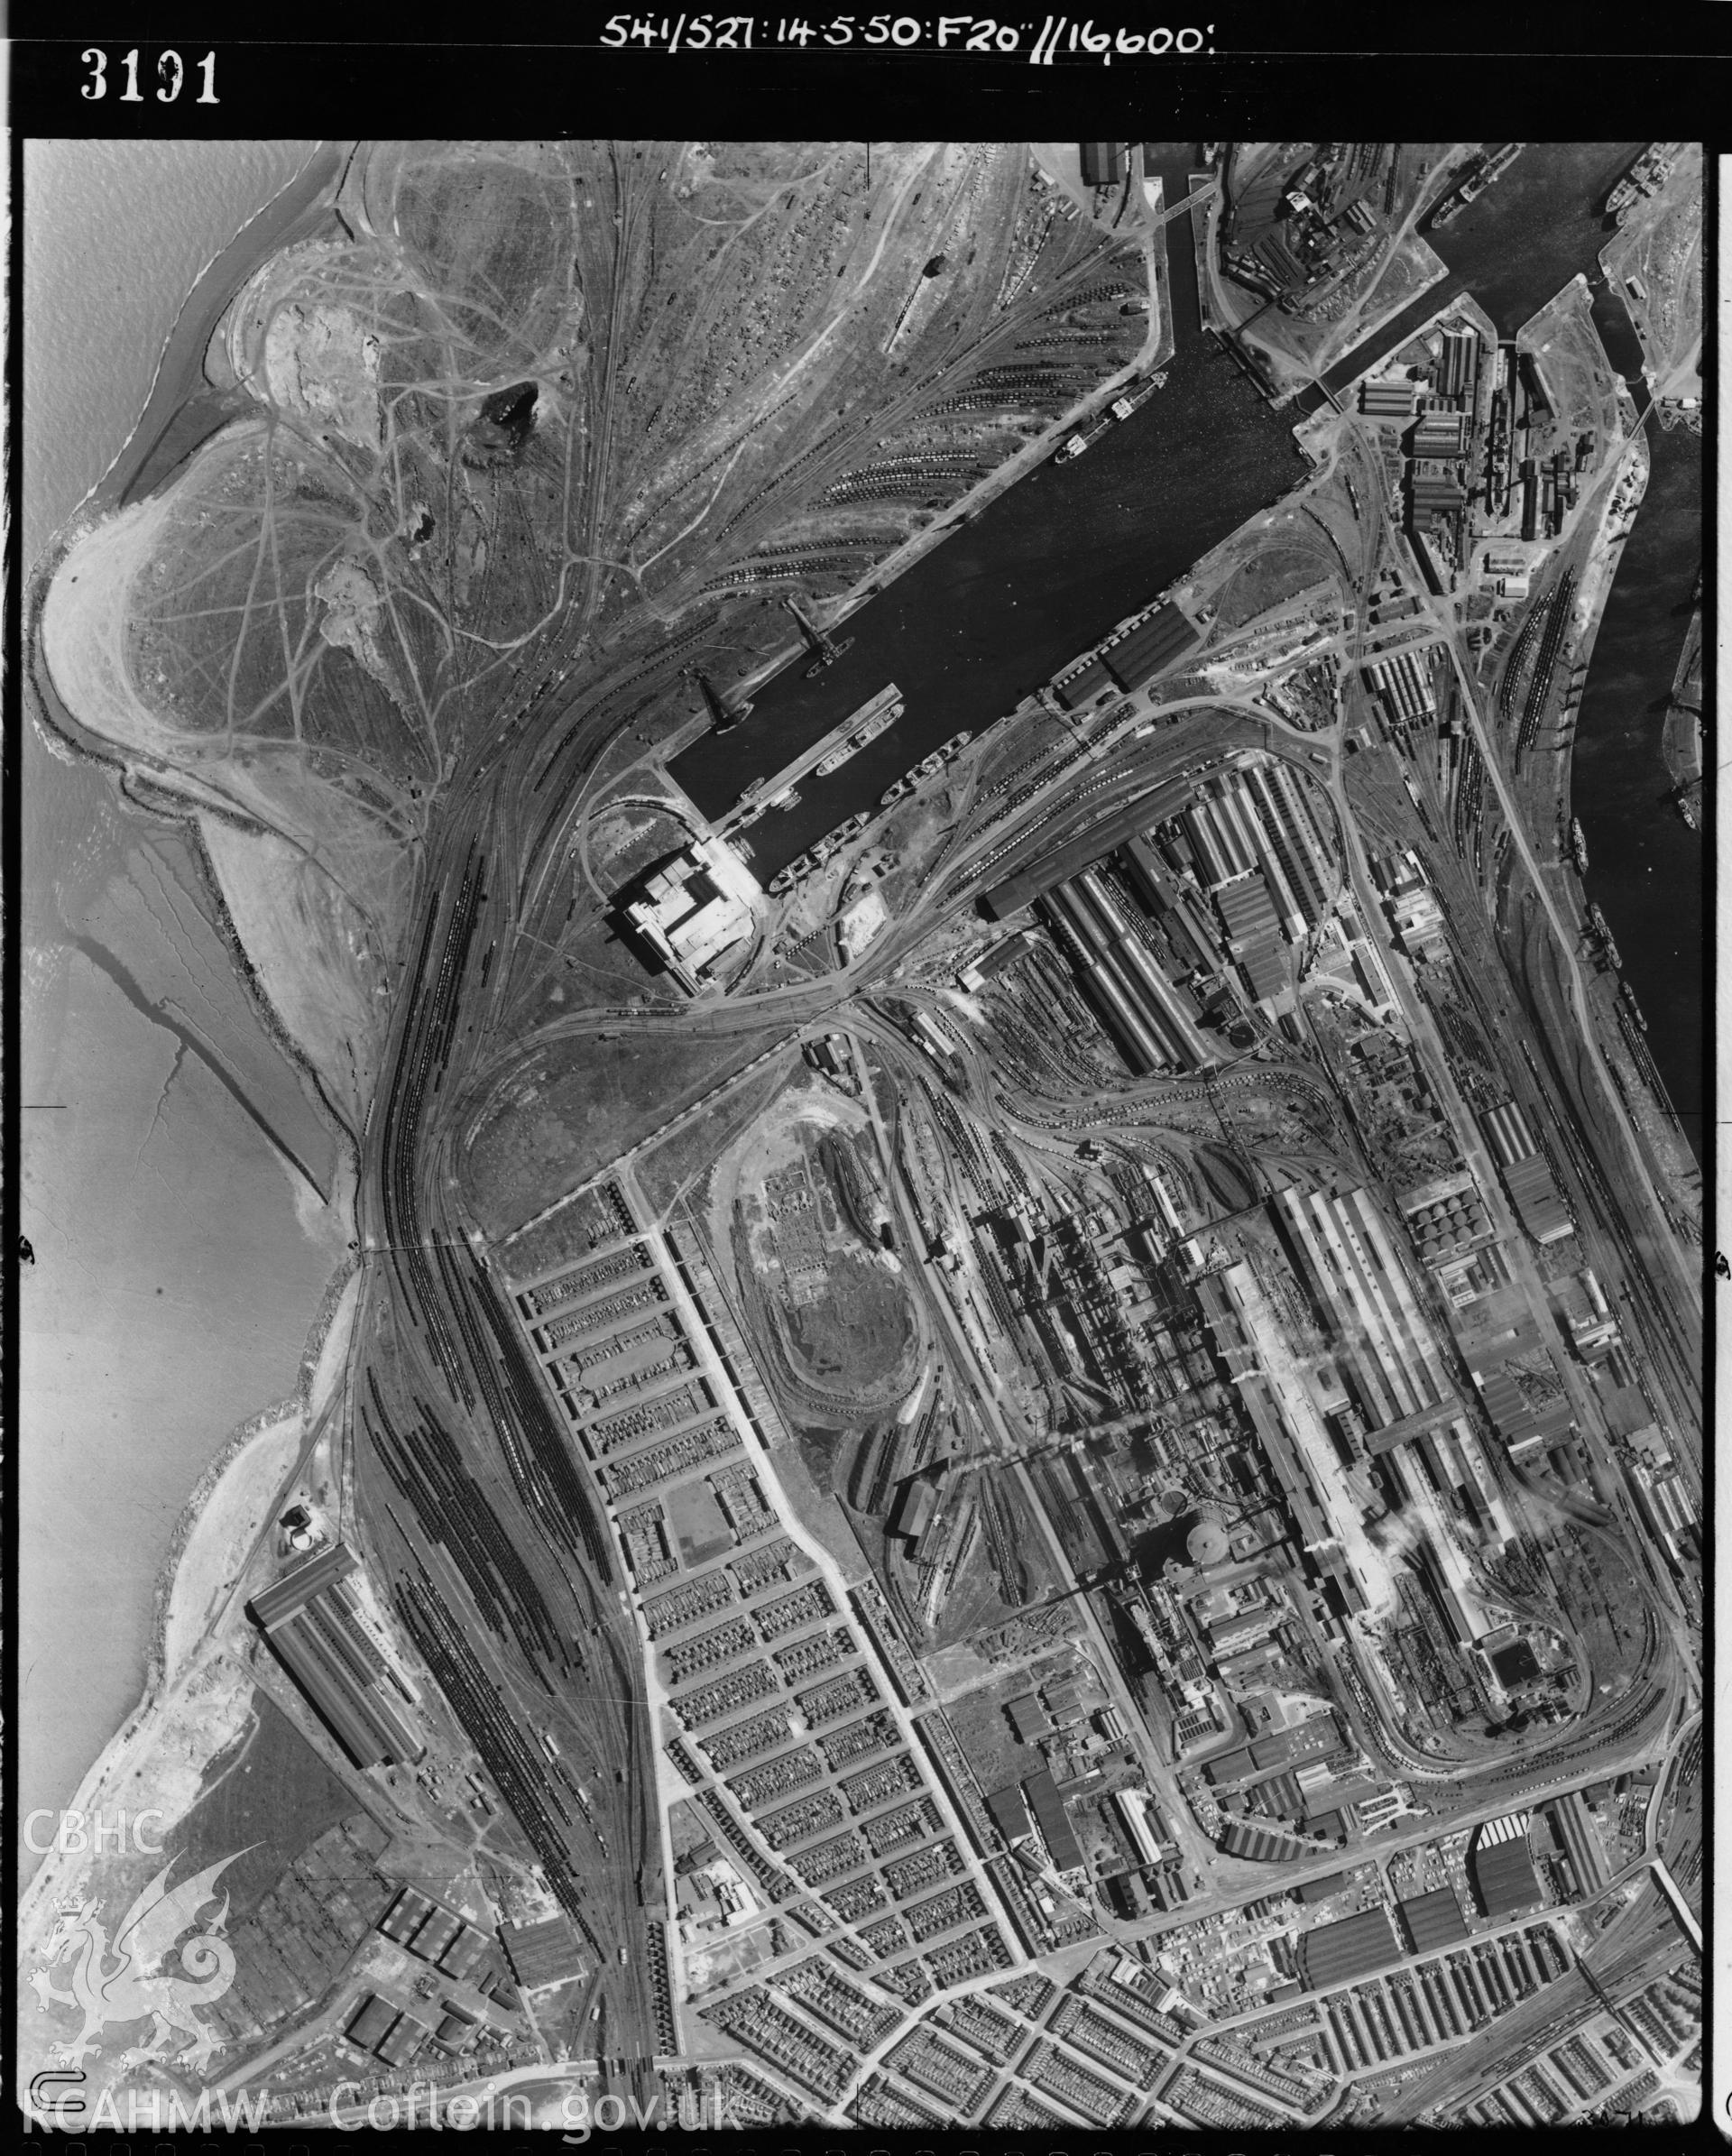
{"x": 695, "y": 909}
{"x": 1357, "y": 1278}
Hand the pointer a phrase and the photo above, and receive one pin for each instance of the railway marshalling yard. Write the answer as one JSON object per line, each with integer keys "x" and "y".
{"x": 1052, "y": 1476}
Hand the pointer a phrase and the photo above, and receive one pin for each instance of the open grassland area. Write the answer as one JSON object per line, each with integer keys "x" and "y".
{"x": 269, "y": 1796}
{"x": 585, "y": 1102}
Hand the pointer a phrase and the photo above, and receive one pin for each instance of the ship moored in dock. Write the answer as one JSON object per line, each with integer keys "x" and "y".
{"x": 865, "y": 725}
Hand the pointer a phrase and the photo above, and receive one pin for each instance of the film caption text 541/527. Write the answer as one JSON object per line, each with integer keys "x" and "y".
{"x": 1054, "y": 37}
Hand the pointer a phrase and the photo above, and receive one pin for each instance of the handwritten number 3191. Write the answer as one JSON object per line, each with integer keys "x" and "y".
{"x": 170, "y": 74}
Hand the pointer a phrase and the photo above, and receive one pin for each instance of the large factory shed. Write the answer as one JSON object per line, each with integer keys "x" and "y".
{"x": 1010, "y": 1812}
{"x": 1261, "y": 1843}
{"x": 1083, "y": 687}
{"x": 1502, "y": 1870}
{"x": 313, "y": 1624}
{"x": 1048, "y": 1809}
{"x": 542, "y": 1953}
{"x": 377, "y": 2018}
{"x": 1340, "y": 1953}
{"x": 1432, "y": 1920}
{"x": 1152, "y": 646}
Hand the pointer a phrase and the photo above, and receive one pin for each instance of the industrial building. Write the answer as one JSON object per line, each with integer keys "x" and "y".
{"x": 1102, "y": 163}
{"x": 1140, "y": 937}
{"x": 1231, "y": 1767}
{"x": 1433, "y": 1922}
{"x": 1050, "y": 1816}
{"x": 315, "y": 1628}
{"x": 1221, "y": 1297}
{"x": 1258, "y": 818}
{"x": 1345, "y": 1258}
{"x": 1248, "y": 916}
{"x": 989, "y": 962}
{"x": 1028, "y": 1719}
{"x": 1150, "y": 648}
{"x": 1010, "y": 1811}
{"x": 1262, "y": 1843}
{"x": 1522, "y": 1427}
{"x": 1527, "y": 1175}
{"x": 1083, "y": 687}
{"x": 1501, "y": 1868}
{"x": 391, "y": 2037}
{"x": 1308, "y": 861}
{"x": 1176, "y": 909}
{"x": 1441, "y": 434}
{"x": 694, "y": 909}
{"x": 1581, "y": 1843}
{"x": 455, "y": 2027}
{"x": 406, "y": 1915}
{"x": 403, "y": 2041}
{"x": 1411, "y": 904}
{"x": 1132, "y": 1807}
{"x": 1404, "y": 683}
{"x": 374, "y": 2024}
{"x": 914, "y": 1509}
{"x": 544, "y": 1953}
{"x": 1342, "y": 1952}
{"x": 1306, "y": 1740}
{"x": 1458, "y": 366}
{"x": 1387, "y": 400}
{"x": 433, "y": 1933}
{"x": 1153, "y": 1021}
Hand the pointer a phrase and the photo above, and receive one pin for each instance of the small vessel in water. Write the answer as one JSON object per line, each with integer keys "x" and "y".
{"x": 832, "y": 652}
{"x": 825, "y": 648}
{"x": 1578, "y": 846}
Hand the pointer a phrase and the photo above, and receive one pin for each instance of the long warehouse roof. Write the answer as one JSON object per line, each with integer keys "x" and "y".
{"x": 1355, "y": 1947}
{"x": 1152, "y": 645}
{"x": 1432, "y": 1920}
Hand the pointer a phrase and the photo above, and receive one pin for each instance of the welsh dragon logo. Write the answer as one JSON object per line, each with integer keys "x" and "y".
{"x": 133, "y": 1983}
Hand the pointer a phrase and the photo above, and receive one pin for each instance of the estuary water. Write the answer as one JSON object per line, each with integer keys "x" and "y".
{"x": 179, "y": 1260}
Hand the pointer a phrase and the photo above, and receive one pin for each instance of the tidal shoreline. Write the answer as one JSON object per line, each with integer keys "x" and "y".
{"x": 152, "y": 448}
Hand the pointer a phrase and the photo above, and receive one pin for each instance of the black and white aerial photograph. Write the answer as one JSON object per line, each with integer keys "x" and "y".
{"x": 861, "y": 1068}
